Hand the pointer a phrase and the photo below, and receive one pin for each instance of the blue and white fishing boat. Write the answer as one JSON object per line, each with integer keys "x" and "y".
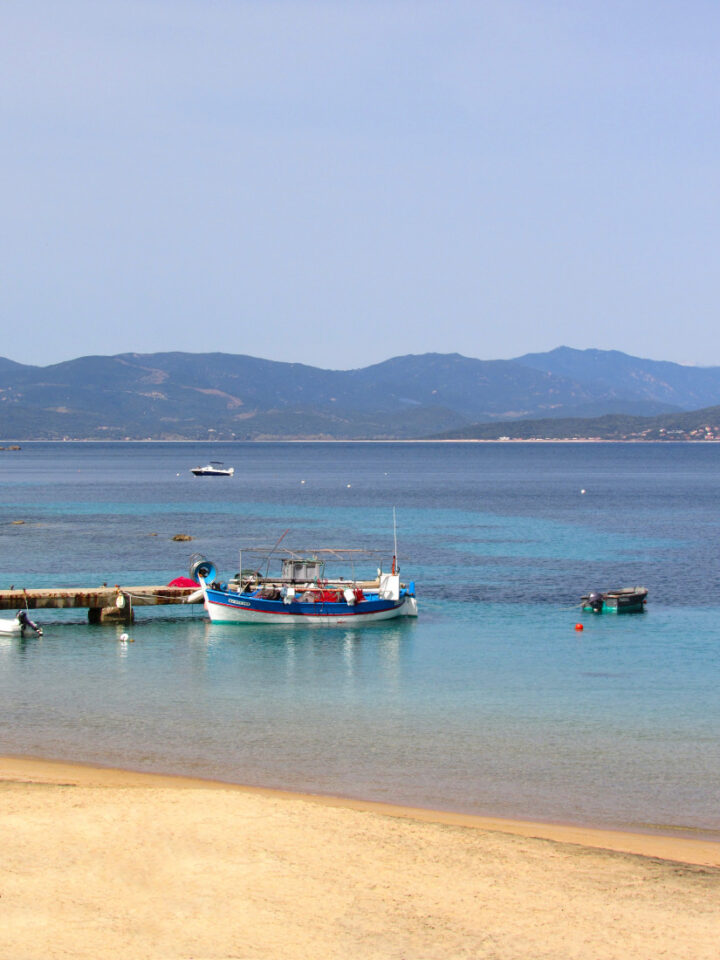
{"x": 302, "y": 593}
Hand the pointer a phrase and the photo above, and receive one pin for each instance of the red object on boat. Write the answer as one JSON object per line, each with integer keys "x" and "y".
{"x": 183, "y": 582}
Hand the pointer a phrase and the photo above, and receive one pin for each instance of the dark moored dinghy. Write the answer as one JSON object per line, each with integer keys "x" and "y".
{"x": 623, "y": 600}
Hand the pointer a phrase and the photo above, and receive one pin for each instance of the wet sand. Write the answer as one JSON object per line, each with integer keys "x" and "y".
{"x": 102, "y": 863}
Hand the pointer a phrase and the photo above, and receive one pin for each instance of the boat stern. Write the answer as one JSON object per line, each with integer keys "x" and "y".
{"x": 410, "y": 609}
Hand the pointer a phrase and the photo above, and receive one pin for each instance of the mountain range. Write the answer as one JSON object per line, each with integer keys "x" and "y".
{"x": 236, "y": 397}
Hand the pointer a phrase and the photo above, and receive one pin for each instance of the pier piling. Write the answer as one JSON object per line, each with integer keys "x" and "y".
{"x": 121, "y": 612}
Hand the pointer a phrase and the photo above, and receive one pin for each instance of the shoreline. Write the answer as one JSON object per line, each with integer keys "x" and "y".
{"x": 698, "y": 851}
{"x": 427, "y": 440}
{"x": 107, "y": 864}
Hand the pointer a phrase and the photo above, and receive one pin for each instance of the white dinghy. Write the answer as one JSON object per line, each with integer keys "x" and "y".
{"x": 18, "y": 625}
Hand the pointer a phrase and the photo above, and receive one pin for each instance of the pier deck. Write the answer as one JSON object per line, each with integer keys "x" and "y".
{"x": 99, "y": 601}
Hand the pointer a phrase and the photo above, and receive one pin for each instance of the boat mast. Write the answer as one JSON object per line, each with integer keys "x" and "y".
{"x": 267, "y": 568}
{"x": 396, "y": 565}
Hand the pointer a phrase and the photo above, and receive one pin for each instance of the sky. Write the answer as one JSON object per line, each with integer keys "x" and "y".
{"x": 337, "y": 182}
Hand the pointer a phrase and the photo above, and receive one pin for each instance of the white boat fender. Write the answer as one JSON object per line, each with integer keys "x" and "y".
{"x": 350, "y": 597}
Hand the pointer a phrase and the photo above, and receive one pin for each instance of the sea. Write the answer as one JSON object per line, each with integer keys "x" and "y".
{"x": 490, "y": 702}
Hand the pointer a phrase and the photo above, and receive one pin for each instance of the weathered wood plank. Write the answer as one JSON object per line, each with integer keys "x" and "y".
{"x": 61, "y": 597}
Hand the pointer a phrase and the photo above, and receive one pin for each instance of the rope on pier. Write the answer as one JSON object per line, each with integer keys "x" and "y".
{"x": 143, "y": 596}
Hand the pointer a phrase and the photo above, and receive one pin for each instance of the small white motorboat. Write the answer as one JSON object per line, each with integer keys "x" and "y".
{"x": 213, "y": 469}
{"x": 19, "y": 625}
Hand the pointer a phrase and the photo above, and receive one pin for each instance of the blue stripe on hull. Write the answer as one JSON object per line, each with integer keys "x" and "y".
{"x": 229, "y": 608}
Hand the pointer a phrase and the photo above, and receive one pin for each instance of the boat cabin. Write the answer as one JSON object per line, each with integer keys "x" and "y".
{"x": 297, "y": 570}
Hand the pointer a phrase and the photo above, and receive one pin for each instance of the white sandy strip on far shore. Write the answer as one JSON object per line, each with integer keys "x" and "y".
{"x": 98, "y": 863}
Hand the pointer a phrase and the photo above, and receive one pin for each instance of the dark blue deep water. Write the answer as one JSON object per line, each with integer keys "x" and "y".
{"x": 490, "y": 702}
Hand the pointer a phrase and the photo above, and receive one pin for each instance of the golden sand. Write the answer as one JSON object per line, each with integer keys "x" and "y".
{"x": 99, "y": 863}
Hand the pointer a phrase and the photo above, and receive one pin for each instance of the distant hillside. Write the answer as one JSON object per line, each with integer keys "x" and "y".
{"x": 612, "y": 374}
{"x": 225, "y": 396}
{"x": 697, "y": 425}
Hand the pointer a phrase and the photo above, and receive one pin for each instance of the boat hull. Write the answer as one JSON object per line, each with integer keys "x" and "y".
{"x": 225, "y": 607}
{"x": 18, "y": 627}
{"x": 614, "y": 607}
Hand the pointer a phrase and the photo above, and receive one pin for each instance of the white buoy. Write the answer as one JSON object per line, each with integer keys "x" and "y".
{"x": 582, "y": 491}
{"x": 124, "y": 637}
{"x": 302, "y": 481}
{"x": 349, "y": 485}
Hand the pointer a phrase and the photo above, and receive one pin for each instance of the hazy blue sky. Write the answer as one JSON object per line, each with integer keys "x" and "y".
{"x": 341, "y": 182}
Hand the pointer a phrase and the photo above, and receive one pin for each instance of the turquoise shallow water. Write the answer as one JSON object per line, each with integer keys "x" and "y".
{"x": 490, "y": 702}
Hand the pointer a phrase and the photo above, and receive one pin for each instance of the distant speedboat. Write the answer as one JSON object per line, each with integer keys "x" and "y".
{"x": 18, "y": 625}
{"x": 623, "y": 600}
{"x": 213, "y": 469}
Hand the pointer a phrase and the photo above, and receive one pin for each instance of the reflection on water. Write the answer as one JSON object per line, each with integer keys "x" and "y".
{"x": 302, "y": 650}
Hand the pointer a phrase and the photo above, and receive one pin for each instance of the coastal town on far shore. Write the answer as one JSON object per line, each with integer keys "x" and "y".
{"x": 649, "y": 434}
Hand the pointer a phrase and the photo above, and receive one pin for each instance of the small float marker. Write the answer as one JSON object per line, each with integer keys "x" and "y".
{"x": 579, "y": 626}
{"x": 302, "y": 481}
{"x": 582, "y": 491}
{"x": 349, "y": 485}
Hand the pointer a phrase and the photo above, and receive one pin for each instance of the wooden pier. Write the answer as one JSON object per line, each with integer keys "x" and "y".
{"x": 104, "y": 604}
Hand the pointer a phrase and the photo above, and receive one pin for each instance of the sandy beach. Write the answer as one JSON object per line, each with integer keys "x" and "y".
{"x": 107, "y": 863}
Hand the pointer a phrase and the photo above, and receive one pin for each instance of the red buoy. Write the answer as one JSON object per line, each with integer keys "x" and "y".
{"x": 579, "y": 626}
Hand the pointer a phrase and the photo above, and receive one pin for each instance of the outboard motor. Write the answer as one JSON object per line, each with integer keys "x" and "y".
{"x": 595, "y": 600}
{"x": 26, "y": 623}
{"x": 202, "y": 568}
